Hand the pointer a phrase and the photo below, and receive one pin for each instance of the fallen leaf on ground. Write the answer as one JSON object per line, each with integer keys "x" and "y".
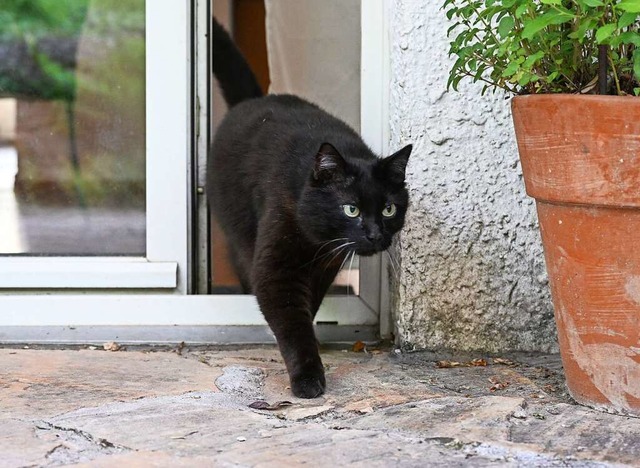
{"x": 263, "y": 405}
{"x": 504, "y": 361}
{"x": 111, "y": 346}
{"x": 358, "y": 347}
{"x": 497, "y": 384}
{"x": 478, "y": 363}
{"x": 449, "y": 364}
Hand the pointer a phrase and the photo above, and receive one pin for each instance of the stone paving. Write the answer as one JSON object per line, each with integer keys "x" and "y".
{"x": 193, "y": 407}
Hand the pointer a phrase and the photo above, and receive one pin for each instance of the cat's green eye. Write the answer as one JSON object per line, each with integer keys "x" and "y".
{"x": 389, "y": 211}
{"x": 352, "y": 211}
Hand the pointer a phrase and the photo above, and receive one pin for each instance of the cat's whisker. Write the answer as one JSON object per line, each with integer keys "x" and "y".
{"x": 324, "y": 244}
{"x": 342, "y": 248}
{"x": 315, "y": 257}
{"x": 391, "y": 262}
{"x": 343, "y": 262}
{"x": 333, "y": 240}
{"x": 353, "y": 255}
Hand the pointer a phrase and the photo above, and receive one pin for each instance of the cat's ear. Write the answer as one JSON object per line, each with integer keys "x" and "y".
{"x": 395, "y": 166}
{"x": 328, "y": 164}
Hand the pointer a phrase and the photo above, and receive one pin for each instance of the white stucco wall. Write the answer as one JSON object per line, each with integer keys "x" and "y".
{"x": 472, "y": 271}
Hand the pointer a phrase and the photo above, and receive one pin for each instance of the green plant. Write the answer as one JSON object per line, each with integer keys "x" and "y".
{"x": 546, "y": 46}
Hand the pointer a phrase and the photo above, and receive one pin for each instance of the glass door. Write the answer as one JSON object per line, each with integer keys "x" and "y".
{"x": 94, "y": 114}
{"x": 73, "y": 152}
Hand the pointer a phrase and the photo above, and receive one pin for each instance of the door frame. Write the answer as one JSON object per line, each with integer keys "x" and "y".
{"x": 159, "y": 306}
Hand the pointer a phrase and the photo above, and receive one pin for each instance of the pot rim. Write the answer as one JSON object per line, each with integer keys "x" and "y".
{"x": 567, "y": 96}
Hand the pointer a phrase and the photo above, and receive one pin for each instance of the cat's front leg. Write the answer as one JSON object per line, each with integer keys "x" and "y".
{"x": 285, "y": 299}
{"x": 285, "y": 303}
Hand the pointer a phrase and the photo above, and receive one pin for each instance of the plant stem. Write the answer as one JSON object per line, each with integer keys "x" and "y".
{"x": 615, "y": 76}
{"x": 602, "y": 69}
{"x": 499, "y": 85}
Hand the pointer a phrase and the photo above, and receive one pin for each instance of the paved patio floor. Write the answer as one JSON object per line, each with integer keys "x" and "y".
{"x": 190, "y": 407}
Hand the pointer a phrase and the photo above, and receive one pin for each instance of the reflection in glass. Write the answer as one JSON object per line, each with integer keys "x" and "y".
{"x": 72, "y": 127}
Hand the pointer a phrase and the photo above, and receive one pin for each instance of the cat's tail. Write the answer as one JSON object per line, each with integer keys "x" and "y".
{"x": 236, "y": 79}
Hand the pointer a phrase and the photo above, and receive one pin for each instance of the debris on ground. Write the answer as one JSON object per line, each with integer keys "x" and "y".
{"x": 504, "y": 361}
{"x": 479, "y": 362}
{"x": 263, "y": 405}
{"x": 449, "y": 364}
{"x": 111, "y": 346}
{"x": 182, "y": 437}
{"x": 497, "y": 384}
{"x": 359, "y": 347}
{"x": 178, "y": 349}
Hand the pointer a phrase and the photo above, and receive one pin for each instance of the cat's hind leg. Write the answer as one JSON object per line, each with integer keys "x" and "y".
{"x": 242, "y": 260}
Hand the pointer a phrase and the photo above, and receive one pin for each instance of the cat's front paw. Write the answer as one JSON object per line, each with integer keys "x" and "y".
{"x": 308, "y": 384}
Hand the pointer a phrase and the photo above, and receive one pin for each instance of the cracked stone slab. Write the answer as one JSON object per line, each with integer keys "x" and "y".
{"x": 459, "y": 418}
{"x": 508, "y": 426}
{"x": 41, "y": 383}
{"x": 197, "y": 425}
{"x": 19, "y": 445}
{"x": 161, "y": 409}
{"x": 74, "y": 445}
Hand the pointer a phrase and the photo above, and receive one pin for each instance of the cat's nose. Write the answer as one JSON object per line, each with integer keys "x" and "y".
{"x": 374, "y": 237}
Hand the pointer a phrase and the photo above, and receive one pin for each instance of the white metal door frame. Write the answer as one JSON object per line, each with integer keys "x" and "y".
{"x": 36, "y": 305}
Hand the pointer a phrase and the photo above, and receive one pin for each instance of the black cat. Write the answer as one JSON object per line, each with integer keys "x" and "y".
{"x": 295, "y": 191}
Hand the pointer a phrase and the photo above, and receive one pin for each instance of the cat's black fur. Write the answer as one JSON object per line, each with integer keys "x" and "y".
{"x": 280, "y": 172}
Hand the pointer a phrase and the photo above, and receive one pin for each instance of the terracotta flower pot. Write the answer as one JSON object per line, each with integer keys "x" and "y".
{"x": 581, "y": 162}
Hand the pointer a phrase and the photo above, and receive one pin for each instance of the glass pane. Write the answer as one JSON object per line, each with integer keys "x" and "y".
{"x": 72, "y": 127}
{"x": 307, "y": 48}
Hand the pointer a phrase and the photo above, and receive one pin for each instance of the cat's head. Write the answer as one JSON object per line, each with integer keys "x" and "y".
{"x": 355, "y": 201}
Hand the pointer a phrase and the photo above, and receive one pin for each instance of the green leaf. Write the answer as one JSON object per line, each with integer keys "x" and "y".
{"x": 627, "y": 19}
{"x": 603, "y": 33}
{"x": 551, "y": 2}
{"x": 525, "y": 79}
{"x": 630, "y": 37}
{"x": 581, "y": 33}
{"x": 593, "y": 3}
{"x": 506, "y": 25}
{"x": 636, "y": 91}
{"x": 521, "y": 10}
{"x": 538, "y": 24}
{"x": 511, "y": 69}
{"x": 532, "y": 59}
{"x": 632, "y": 6}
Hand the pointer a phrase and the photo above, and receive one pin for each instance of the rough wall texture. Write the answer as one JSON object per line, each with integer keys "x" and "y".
{"x": 472, "y": 275}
